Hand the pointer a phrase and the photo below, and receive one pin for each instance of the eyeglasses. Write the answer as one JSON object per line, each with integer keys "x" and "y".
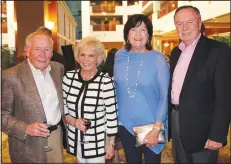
{"x": 39, "y": 50}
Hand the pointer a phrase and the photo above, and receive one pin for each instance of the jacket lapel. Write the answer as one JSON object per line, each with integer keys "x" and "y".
{"x": 174, "y": 59}
{"x": 195, "y": 63}
{"x": 31, "y": 89}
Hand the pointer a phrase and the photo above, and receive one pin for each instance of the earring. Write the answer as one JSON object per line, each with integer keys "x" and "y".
{"x": 147, "y": 42}
{"x": 128, "y": 42}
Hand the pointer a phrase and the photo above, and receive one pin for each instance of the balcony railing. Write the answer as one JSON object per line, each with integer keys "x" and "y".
{"x": 106, "y": 27}
{"x": 167, "y": 7}
{"x": 103, "y": 8}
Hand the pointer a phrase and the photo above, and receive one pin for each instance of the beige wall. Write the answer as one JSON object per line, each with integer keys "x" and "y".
{"x": 66, "y": 31}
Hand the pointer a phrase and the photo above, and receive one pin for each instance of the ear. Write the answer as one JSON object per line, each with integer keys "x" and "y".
{"x": 200, "y": 24}
{"x": 77, "y": 58}
{"x": 98, "y": 61}
{"x": 26, "y": 50}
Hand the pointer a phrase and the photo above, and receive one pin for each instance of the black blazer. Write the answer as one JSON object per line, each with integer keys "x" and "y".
{"x": 205, "y": 99}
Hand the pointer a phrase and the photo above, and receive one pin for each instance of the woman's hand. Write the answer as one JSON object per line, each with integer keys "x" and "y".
{"x": 151, "y": 139}
{"x": 78, "y": 123}
{"x": 110, "y": 152}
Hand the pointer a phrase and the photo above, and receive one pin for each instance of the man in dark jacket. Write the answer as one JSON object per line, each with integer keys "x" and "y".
{"x": 200, "y": 91}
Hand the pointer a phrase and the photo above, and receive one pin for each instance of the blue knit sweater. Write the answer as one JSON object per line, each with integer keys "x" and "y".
{"x": 150, "y": 103}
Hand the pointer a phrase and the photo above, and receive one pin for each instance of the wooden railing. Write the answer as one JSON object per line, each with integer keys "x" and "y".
{"x": 166, "y": 8}
{"x": 105, "y": 27}
{"x": 103, "y": 8}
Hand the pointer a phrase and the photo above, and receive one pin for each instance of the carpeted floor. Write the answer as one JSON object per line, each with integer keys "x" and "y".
{"x": 166, "y": 154}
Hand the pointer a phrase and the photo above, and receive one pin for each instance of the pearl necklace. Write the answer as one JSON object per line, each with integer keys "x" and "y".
{"x": 137, "y": 79}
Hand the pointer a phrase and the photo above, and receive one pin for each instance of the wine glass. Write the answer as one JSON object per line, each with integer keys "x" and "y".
{"x": 88, "y": 125}
{"x": 47, "y": 148}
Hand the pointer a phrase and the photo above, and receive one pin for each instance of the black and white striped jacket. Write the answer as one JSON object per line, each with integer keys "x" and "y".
{"x": 96, "y": 101}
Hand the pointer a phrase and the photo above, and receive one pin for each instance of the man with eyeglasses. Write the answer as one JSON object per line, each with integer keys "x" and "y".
{"x": 56, "y": 56}
{"x": 32, "y": 98}
{"x": 200, "y": 91}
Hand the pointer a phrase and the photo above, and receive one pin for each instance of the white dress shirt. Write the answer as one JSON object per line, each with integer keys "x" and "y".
{"x": 48, "y": 94}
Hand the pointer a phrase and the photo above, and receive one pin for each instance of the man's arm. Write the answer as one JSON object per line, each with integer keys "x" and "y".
{"x": 222, "y": 84}
{"x": 10, "y": 125}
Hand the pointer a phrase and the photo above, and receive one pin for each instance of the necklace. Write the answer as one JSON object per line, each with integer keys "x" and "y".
{"x": 132, "y": 95}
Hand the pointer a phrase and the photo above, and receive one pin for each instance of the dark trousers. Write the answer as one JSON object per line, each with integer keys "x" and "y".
{"x": 133, "y": 154}
{"x": 179, "y": 153}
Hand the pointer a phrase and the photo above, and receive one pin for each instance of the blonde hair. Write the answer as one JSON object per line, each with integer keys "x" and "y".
{"x": 31, "y": 35}
{"x": 97, "y": 46}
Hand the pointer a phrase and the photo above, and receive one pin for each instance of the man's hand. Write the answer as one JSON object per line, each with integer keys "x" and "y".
{"x": 37, "y": 129}
{"x": 212, "y": 145}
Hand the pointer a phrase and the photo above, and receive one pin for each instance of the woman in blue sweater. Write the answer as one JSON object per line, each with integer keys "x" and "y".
{"x": 141, "y": 77}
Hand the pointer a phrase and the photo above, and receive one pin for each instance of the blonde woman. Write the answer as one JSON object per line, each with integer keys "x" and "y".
{"x": 90, "y": 95}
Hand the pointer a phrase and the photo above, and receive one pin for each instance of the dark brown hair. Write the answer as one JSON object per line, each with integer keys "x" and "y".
{"x": 135, "y": 21}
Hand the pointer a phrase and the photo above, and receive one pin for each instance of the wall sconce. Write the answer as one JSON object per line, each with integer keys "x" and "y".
{"x": 158, "y": 42}
{"x": 166, "y": 44}
{"x": 14, "y": 26}
{"x": 49, "y": 24}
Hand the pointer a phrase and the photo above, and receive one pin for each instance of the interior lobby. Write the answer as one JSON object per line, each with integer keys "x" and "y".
{"x": 16, "y": 24}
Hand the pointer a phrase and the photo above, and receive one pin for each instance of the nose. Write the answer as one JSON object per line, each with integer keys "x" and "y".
{"x": 85, "y": 58}
{"x": 185, "y": 26}
{"x": 138, "y": 33}
{"x": 42, "y": 51}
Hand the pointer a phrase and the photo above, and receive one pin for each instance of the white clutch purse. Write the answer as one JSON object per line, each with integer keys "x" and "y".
{"x": 142, "y": 131}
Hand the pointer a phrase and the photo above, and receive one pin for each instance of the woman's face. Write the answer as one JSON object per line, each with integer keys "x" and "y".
{"x": 87, "y": 59}
{"x": 138, "y": 36}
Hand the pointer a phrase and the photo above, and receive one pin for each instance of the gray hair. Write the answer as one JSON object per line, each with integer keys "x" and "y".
{"x": 189, "y": 7}
{"x": 31, "y": 35}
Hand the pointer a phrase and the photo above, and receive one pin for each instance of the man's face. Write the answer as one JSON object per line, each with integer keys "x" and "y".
{"x": 40, "y": 52}
{"x": 188, "y": 25}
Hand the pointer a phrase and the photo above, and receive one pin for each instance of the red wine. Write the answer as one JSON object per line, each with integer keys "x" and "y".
{"x": 88, "y": 124}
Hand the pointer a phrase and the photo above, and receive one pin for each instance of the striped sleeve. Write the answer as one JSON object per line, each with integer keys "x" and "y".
{"x": 111, "y": 106}
{"x": 66, "y": 86}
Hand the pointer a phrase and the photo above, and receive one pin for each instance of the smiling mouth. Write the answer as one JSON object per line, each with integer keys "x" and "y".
{"x": 138, "y": 39}
{"x": 187, "y": 33}
{"x": 42, "y": 61}
{"x": 86, "y": 64}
